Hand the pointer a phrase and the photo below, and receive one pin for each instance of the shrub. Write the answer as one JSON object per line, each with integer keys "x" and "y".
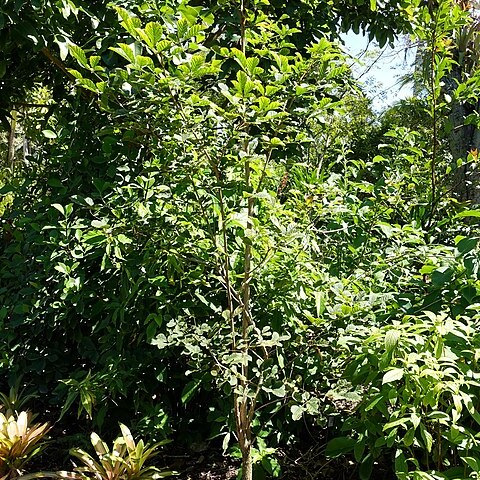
{"x": 419, "y": 380}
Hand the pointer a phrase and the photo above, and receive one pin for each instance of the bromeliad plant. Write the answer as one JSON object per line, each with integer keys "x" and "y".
{"x": 20, "y": 441}
{"x": 15, "y": 400}
{"x": 126, "y": 460}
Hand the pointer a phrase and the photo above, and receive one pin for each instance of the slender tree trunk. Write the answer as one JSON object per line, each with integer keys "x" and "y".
{"x": 11, "y": 141}
{"x": 26, "y": 143}
{"x": 244, "y": 433}
{"x": 247, "y": 465}
{"x": 26, "y": 149}
{"x": 245, "y": 405}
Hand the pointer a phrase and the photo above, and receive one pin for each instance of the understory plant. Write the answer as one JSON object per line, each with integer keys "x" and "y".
{"x": 125, "y": 461}
{"x": 419, "y": 382}
{"x": 15, "y": 400}
{"x": 20, "y": 441}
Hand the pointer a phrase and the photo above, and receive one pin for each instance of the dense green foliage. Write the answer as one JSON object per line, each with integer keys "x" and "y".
{"x": 211, "y": 235}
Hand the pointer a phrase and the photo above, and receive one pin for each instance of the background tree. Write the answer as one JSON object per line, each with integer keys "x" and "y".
{"x": 459, "y": 41}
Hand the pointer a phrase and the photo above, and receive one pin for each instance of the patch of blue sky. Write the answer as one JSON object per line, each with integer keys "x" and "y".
{"x": 380, "y": 71}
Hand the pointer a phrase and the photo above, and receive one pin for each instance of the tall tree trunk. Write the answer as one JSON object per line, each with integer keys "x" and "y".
{"x": 463, "y": 139}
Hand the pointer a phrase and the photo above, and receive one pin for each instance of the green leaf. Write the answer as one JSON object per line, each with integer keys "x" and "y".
{"x": 190, "y": 12}
{"x": 427, "y": 437}
{"x": 124, "y": 239}
{"x": 125, "y": 51}
{"x": 182, "y": 28}
{"x": 122, "y": 13}
{"x": 49, "y": 134}
{"x": 251, "y": 65}
{"x": 395, "y": 423}
{"x": 276, "y": 142}
{"x": 242, "y": 81}
{"x": 240, "y": 58}
{"x": 93, "y": 239}
{"x": 386, "y": 228}
{"x": 428, "y": 269}
{"x": 391, "y": 340}
{"x": 442, "y": 275}
{"x": 374, "y": 402}
{"x": 79, "y": 55}
{"x": 297, "y": 412}
{"x": 88, "y": 84}
{"x": 468, "y": 213}
{"x": 163, "y": 45}
{"x": 59, "y": 207}
{"x": 465, "y": 244}
{"x": 196, "y": 62}
{"x": 359, "y": 450}
{"x": 366, "y": 467}
{"x": 339, "y": 446}
{"x": 63, "y": 48}
{"x": 129, "y": 22}
{"x": 189, "y": 390}
{"x": 62, "y": 268}
{"x": 99, "y": 223}
{"x": 243, "y": 84}
{"x": 278, "y": 392}
{"x": 282, "y": 62}
{"x": 75, "y": 73}
{"x": 409, "y": 437}
{"x": 94, "y": 60}
{"x": 472, "y": 463}
{"x": 154, "y": 33}
{"x": 400, "y": 462}
{"x": 392, "y": 375}
{"x": 142, "y": 61}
